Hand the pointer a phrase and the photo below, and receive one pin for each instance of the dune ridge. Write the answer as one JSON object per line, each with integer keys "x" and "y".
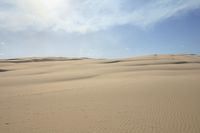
{"x": 156, "y": 93}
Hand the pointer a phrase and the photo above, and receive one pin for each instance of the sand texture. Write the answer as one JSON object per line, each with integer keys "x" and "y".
{"x": 149, "y": 94}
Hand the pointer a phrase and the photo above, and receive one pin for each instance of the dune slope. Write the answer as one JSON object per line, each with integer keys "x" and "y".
{"x": 150, "y": 94}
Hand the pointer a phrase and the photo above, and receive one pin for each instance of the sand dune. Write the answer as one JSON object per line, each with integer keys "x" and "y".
{"x": 149, "y": 94}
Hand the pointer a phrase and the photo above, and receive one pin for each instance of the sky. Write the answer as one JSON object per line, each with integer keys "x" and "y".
{"x": 98, "y": 28}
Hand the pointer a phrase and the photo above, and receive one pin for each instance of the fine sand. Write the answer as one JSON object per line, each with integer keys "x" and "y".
{"x": 149, "y": 94}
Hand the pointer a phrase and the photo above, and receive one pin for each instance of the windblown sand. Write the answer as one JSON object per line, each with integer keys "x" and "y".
{"x": 150, "y": 94}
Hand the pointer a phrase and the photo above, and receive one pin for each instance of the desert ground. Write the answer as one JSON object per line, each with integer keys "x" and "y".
{"x": 148, "y": 94}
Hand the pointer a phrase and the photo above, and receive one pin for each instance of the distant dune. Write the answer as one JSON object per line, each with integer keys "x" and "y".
{"x": 149, "y": 94}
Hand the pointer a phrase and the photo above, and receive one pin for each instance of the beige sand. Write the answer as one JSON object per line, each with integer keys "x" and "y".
{"x": 150, "y": 94}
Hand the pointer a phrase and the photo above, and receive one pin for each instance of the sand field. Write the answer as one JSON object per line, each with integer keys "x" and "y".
{"x": 149, "y": 94}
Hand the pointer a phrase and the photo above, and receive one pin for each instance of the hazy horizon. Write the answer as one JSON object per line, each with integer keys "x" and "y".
{"x": 98, "y": 29}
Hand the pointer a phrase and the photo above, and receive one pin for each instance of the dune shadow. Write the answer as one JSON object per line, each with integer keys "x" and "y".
{"x": 4, "y": 70}
{"x": 16, "y": 60}
{"x": 164, "y": 63}
{"x": 72, "y": 78}
{"x": 110, "y": 62}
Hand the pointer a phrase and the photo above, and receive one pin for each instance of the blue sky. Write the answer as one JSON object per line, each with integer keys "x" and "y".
{"x": 98, "y": 28}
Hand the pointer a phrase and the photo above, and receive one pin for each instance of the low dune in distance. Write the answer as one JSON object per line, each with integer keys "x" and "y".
{"x": 149, "y": 94}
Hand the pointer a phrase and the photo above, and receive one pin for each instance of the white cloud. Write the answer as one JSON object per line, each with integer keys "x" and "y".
{"x": 87, "y": 15}
{"x": 2, "y": 43}
{"x": 1, "y": 48}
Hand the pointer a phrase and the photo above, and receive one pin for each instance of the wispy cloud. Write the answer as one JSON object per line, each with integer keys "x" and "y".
{"x": 84, "y": 16}
{"x": 1, "y": 48}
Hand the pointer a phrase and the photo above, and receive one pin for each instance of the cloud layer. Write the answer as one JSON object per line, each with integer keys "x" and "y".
{"x": 85, "y": 16}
